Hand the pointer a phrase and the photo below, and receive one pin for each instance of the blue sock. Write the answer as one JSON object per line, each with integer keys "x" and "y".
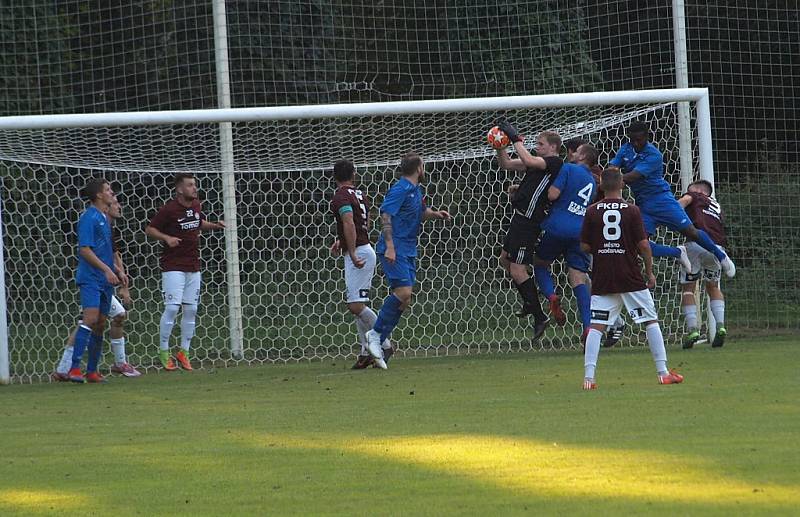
{"x": 705, "y": 241}
{"x": 388, "y": 317}
{"x": 81, "y": 341}
{"x": 660, "y": 250}
{"x": 584, "y": 299}
{"x": 545, "y": 280}
{"x": 95, "y": 349}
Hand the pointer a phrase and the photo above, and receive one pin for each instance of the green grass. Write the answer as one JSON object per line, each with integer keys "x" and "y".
{"x": 485, "y": 435}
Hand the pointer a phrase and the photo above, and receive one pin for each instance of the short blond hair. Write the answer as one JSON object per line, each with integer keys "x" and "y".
{"x": 552, "y": 138}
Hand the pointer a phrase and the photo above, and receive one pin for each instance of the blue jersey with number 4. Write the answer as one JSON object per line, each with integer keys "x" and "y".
{"x": 577, "y": 187}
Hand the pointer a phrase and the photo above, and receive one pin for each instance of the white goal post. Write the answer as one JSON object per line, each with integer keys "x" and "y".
{"x": 45, "y": 141}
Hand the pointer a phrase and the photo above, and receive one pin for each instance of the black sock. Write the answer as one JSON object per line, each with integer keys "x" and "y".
{"x": 530, "y": 297}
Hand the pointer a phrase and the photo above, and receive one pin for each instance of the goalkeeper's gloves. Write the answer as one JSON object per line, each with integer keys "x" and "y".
{"x": 510, "y": 131}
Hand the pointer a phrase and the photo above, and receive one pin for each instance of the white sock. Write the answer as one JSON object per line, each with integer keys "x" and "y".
{"x": 167, "y": 322}
{"x": 656, "y": 341}
{"x": 66, "y": 360}
{"x": 718, "y": 310}
{"x": 368, "y": 318}
{"x": 362, "y": 335}
{"x": 188, "y": 326}
{"x": 690, "y": 314}
{"x": 592, "y": 352}
{"x": 118, "y": 347}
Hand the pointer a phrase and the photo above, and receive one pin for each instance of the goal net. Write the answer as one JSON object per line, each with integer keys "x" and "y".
{"x": 292, "y": 301}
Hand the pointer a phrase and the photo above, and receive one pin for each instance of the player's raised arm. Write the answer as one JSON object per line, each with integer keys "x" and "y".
{"x": 525, "y": 159}
{"x": 208, "y": 225}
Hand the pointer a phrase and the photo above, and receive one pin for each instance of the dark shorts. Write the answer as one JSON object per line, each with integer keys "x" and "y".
{"x": 552, "y": 247}
{"x": 521, "y": 239}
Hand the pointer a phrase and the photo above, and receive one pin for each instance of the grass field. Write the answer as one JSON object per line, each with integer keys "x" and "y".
{"x": 487, "y": 435}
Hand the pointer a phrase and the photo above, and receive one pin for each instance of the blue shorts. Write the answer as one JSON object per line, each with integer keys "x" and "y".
{"x": 664, "y": 211}
{"x": 403, "y": 273}
{"x": 552, "y": 246}
{"x": 94, "y": 296}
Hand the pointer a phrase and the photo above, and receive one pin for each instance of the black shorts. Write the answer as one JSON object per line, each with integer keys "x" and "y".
{"x": 521, "y": 239}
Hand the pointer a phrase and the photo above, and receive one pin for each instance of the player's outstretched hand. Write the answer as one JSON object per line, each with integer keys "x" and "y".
{"x": 220, "y": 225}
{"x": 112, "y": 278}
{"x": 512, "y": 189}
{"x": 442, "y": 214}
{"x": 510, "y": 131}
{"x": 358, "y": 262}
{"x": 172, "y": 241}
{"x": 336, "y": 248}
{"x": 651, "y": 281}
{"x": 123, "y": 279}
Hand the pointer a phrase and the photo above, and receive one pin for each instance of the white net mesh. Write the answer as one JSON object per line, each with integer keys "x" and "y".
{"x": 292, "y": 290}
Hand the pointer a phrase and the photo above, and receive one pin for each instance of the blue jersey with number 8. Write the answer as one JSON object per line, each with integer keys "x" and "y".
{"x": 578, "y": 188}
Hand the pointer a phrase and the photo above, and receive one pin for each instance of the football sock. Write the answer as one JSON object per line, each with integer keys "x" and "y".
{"x": 167, "y": 322}
{"x": 188, "y": 326}
{"x": 705, "y": 241}
{"x": 690, "y": 313}
{"x": 362, "y": 334}
{"x": 660, "y": 250}
{"x": 656, "y": 341}
{"x": 545, "y": 280}
{"x": 66, "y": 360}
{"x": 530, "y": 297}
{"x": 388, "y": 317}
{"x": 591, "y": 353}
{"x": 366, "y": 319}
{"x": 118, "y": 347}
{"x": 584, "y": 299}
{"x": 95, "y": 350}
{"x": 718, "y": 310}
{"x": 82, "y": 338}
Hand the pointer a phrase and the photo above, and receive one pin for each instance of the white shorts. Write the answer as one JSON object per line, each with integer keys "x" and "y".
{"x": 640, "y": 306}
{"x": 116, "y": 308}
{"x": 179, "y": 287}
{"x": 358, "y": 282}
{"x": 704, "y": 265}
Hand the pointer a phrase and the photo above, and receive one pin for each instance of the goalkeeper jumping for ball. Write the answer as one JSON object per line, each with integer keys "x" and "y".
{"x": 402, "y": 213}
{"x": 530, "y": 204}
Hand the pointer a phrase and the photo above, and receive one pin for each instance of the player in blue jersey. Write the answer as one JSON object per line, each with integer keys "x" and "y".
{"x": 642, "y": 166}
{"x": 402, "y": 213}
{"x": 571, "y": 192}
{"x": 96, "y": 278}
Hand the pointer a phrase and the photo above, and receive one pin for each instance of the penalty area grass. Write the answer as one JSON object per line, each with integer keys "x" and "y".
{"x": 495, "y": 434}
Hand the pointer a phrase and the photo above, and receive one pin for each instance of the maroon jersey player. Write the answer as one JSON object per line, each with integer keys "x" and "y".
{"x": 350, "y": 208}
{"x": 706, "y": 214}
{"x": 178, "y": 224}
{"x": 614, "y": 234}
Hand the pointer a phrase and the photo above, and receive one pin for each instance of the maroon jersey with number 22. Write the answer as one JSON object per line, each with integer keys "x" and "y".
{"x": 613, "y": 228}
{"x": 182, "y": 222}
{"x": 350, "y": 199}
